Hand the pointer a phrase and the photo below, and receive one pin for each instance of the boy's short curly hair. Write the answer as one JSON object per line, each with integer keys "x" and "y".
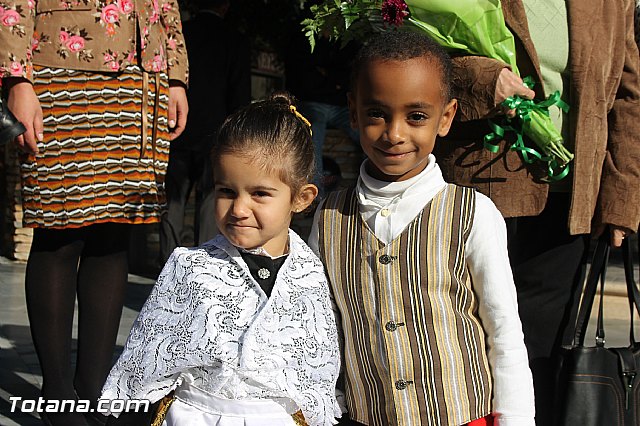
{"x": 402, "y": 45}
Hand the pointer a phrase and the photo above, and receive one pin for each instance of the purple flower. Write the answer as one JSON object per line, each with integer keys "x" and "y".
{"x": 394, "y": 12}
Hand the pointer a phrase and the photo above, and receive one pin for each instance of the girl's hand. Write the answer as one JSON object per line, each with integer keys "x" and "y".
{"x": 507, "y": 85}
{"x": 178, "y": 109}
{"x": 24, "y": 104}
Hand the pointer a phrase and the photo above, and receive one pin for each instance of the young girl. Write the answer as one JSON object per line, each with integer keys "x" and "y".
{"x": 242, "y": 327}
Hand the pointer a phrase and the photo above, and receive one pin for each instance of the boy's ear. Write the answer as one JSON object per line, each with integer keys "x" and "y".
{"x": 353, "y": 115}
{"x": 446, "y": 119}
{"x": 305, "y": 197}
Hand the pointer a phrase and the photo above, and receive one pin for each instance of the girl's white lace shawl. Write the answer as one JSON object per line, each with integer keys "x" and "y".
{"x": 209, "y": 322}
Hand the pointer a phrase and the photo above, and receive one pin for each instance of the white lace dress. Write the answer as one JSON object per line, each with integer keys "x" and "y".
{"x": 207, "y": 327}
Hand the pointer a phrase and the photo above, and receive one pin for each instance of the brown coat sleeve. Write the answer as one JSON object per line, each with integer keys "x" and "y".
{"x": 619, "y": 196}
{"x": 474, "y": 84}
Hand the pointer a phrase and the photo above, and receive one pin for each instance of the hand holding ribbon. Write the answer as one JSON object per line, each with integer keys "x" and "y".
{"x": 532, "y": 119}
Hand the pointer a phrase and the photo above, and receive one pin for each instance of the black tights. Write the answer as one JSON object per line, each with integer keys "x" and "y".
{"x": 90, "y": 263}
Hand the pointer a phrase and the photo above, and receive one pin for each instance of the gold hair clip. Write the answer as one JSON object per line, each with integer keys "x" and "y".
{"x": 301, "y": 117}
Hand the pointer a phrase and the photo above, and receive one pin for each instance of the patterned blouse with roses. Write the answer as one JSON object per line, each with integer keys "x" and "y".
{"x": 91, "y": 35}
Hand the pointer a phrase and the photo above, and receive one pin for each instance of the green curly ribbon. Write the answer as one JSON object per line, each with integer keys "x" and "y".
{"x": 523, "y": 108}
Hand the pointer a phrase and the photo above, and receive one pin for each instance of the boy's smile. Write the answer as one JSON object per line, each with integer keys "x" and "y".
{"x": 399, "y": 108}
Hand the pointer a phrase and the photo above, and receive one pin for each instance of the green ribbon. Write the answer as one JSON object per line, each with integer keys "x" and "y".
{"x": 523, "y": 108}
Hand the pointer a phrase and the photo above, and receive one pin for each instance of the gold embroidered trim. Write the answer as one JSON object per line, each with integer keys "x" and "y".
{"x": 163, "y": 407}
{"x": 298, "y": 418}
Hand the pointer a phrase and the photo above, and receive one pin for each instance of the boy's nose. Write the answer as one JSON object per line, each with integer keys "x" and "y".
{"x": 395, "y": 132}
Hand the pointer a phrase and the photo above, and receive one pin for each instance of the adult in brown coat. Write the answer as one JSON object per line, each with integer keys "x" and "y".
{"x": 548, "y": 225}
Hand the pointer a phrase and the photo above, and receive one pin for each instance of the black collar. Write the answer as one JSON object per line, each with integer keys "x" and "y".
{"x": 263, "y": 269}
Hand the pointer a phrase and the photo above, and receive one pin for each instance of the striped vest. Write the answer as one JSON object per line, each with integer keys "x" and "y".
{"x": 414, "y": 346}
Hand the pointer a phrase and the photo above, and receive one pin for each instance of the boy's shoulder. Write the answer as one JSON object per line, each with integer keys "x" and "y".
{"x": 461, "y": 187}
{"x": 341, "y": 195}
{"x": 484, "y": 209}
{"x": 334, "y": 199}
{"x": 481, "y": 203}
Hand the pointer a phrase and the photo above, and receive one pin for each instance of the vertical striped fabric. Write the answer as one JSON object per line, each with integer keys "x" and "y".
{"x": 414, "y": 347}
{"x": 92, "y": 166}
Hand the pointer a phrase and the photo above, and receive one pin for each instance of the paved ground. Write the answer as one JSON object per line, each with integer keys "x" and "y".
{"x": 20, "y": 373}
{"x": 19, "y": 369}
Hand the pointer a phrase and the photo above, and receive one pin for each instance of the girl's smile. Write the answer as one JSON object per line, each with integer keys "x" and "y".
{"x": 253, "y": 206}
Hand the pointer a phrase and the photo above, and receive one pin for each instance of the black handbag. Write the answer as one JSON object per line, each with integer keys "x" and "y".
{"x": 600, "y": 386}
{"x": 10, "y": 127}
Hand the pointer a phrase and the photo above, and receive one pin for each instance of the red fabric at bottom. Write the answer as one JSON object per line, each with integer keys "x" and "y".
{"x": 485, "y": 421}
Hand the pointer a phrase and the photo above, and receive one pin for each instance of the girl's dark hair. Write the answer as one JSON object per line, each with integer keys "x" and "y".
{"x": 272, "y": 135}
{"x": 399, "y": 45}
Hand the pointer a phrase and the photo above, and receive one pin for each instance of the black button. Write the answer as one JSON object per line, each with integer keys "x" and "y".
{"x": 385, "y": 259}
{"x": 402, "y": 384}
{"x": 393, "y": 326}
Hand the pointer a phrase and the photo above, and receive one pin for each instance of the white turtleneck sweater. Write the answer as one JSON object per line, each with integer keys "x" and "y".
{"x": 388, "y": 207}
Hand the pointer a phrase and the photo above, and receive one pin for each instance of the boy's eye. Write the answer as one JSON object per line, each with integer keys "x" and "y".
{"x": 375, "y": 113}
{"x": 261, "y": 194}
{"x": 417, "y": 116}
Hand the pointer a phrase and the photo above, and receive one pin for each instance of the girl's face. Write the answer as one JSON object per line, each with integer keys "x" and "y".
{"x": 254, "y": 207}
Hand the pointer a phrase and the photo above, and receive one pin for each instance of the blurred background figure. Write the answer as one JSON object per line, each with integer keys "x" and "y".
{"x": 331, "y": 174}
{"x": 320, "y": 82}
{"x": 219, "y": 83}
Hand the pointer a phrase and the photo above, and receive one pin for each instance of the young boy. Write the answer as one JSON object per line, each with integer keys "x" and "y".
{"x": 419, "y": 267}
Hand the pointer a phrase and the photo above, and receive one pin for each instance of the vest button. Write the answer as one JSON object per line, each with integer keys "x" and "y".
{"x": 402, "y": 384}
{"x": 391, "y": 326}
{"x": 385, "y": 259}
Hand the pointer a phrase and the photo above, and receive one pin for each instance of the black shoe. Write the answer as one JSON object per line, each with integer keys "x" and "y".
{"x": 10, "y": 127}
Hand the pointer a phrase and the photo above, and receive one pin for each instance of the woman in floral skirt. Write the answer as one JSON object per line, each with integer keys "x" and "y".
{"x": 100, "y": 87}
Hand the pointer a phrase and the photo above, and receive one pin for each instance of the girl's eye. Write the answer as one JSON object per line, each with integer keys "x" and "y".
{"x": 261, "y": 194}
{"x": 417, "y": 116}
{"x": 225, "y": 191}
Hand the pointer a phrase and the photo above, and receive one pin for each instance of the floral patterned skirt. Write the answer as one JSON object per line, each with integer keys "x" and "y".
{"x": 105, "y": 149}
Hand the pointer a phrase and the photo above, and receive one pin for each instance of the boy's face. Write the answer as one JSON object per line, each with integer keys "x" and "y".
{"x": 399, "y": 109}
